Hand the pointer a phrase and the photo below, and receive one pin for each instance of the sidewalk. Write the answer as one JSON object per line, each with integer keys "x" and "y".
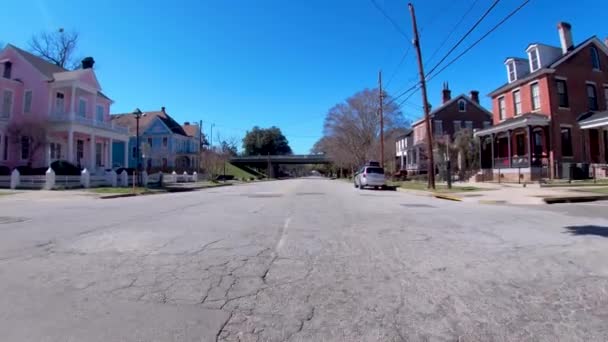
{"x": 517, "y": 194}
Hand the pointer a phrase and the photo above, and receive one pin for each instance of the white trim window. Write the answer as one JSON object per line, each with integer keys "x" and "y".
{"x": 462, "y": 106}
{"x": 517, "y": 102}
{"x": 457, "y": 125}
{"x": 25, "y": 147}
{"x": 55, "y": 151}
{"x": 595, "y": 58}
{"x": 591, "y": 96}
{"x": 59, "y": 103}
{"x": 562, "y": 93}
{"x": 535, "y": 92}
{"x": 98, "y": 154}
{"x": 99, "y": 113}
{"x": 511, "y": 72}
{"x": 469, "y": 125}
{"x": 79, "y": 150}
{"x": 534, "y": 61}
{"x": 438, "y": 127}
{"x": 7, "y": 103}
{"x": 502, "y": 108}
{"x": 82, "y": 107}
{"x": 27, "y": 102}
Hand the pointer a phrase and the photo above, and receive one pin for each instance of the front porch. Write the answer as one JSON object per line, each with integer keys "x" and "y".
{"x": 516, "y": 150}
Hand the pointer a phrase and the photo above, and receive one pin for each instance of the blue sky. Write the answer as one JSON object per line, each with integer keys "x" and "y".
{"x": 285, "y": 63}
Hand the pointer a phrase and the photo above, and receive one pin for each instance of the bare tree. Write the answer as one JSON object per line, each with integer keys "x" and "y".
{"x": 57, "y": 47}
{"x": 352, "y": 129}
{"x": 31, "y": 132}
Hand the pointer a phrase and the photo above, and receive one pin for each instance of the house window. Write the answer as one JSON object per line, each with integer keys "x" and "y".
{"x": 27, "y": 102}
{"x": 501, "y": 108}
{"x": 606, "y": 96}
{"x": 535, "y": 91}
{"x": 150, "y": 142}
{"x": 438, "y": 127}
{"x": 487, "y": 124}
{"x": 7, "y": 103}
{"x": 457, "y": 125}
{"x": 98, "y": 154}
{"x": 99, "y": 113}
{"x": 5, "y": 148}
{"x": 462, "y": 106}
{"x": 60, "y": 103}
{"x": 595, "y": 58}
{"x": 8, "y": 68}
{"x": 566, "y": 142}
{"x": 79, "y": 150}
{"x": 534, "y": 63}
{"x": 82, "y": 107}
{"x": 134, "y": 152}
{"x": 591, "y": 97}
{"x": 165, "y": 141}
{"x": 25, "y": 148}
{"x": 517, "y": 102}
{"x": 469, "y": 125}
{"x": 511, "y": 70}
{"x": 164, "y": 163}
{"x": 55, "y": 151}
{"x": 562, "y": 93}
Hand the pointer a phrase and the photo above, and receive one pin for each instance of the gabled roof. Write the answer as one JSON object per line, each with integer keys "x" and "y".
{"x": 551, "y": 66}
{"x": 129, "y": 120}
{"x": 191, "y": 129}
{"x": 44, "y": 67}
{"x": 457, "y": 98}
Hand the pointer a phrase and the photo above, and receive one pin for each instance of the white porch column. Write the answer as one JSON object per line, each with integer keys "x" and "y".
{"x": 70, "y": 156}
{"x": 493, "y": 138}
{"x": 110, "y": 161}
{"x": 126, "y": 156}
{"x": 510, "y": 153}
{"x": 47, "y": 153}
{"x": 92, "y": 166}
{"x": 73, "y": 103}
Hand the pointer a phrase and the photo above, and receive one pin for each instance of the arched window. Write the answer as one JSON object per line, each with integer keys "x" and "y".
{"x": 462, "y": 106}
{"x": 595, "y": 58}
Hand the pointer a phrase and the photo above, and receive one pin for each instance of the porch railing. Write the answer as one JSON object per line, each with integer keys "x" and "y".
{"x": 520, "y": 162}
{"x": 63, "y": 117}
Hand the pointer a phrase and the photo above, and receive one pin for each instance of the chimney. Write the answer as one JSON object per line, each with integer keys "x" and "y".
{"x": 87, "y": 63}
{"x": 565, "y": 36}
{"x": 446, "y": 93}
{"x": 162, "y": 109}
{"x": 475, "y": 96}
{"x": 187, "y": 123}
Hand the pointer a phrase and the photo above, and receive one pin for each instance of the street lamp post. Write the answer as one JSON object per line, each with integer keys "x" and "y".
{"x": 138, "y": 114}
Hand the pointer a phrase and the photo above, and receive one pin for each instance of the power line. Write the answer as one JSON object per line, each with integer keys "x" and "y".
{"x": 480, "y": 39}
{"x": 465, "y": 36}
{"x": 393, "y": 22}
{"x": 452, "y": 31}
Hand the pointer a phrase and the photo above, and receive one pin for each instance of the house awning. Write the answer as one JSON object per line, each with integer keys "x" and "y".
{"x": 530, "y": 119}
{"x": 593, "y": 120}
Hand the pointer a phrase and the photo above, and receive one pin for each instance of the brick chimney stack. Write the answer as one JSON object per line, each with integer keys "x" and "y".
{"x": 565, "y": 36}
{"x": 446, "y": 93}
{"x": 475, "y": 96}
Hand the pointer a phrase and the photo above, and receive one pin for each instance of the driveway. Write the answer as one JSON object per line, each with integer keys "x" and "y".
{"x": 299, "y": 260}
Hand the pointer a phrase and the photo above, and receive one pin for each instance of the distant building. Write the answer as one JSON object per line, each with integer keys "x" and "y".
{"x": 68, "y": 107}
{"x": 402, "y": 145}
{"x": 551, "y": 113}
{"x": 454, "y": 114}
{"x": 165, "y": 145}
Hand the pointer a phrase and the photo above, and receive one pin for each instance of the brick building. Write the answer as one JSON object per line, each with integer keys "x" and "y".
{"x": 453, "y": 115}
{"x": 548, "y": 117}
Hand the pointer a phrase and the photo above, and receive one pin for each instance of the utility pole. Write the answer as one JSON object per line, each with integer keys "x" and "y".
{"x": 427, "y": 119}
{"x": 200, "y": 147}
{"x": 381, "y": 113}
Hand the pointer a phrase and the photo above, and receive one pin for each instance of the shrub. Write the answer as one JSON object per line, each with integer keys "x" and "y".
{"x": 65, "y": 168}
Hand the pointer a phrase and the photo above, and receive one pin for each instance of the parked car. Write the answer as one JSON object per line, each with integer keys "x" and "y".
{"x": 370, "y": 176}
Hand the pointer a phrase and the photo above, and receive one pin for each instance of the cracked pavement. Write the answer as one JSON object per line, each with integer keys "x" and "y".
{"x": 299, "y": 260}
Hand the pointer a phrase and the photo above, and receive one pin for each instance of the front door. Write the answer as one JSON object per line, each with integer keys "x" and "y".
{"x": 594, "y": 145}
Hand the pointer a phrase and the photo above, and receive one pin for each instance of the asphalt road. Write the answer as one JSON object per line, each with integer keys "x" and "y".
{"x": 299, "y": 260}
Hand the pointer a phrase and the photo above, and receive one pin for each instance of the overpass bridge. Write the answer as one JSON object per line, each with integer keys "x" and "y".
{"x": 271, "y": 162}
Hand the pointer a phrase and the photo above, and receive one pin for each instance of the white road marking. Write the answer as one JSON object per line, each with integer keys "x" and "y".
{"x": 283, "y": 234}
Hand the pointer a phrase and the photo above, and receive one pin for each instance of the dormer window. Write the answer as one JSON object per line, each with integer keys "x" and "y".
{"x": 595, "y": 58}
{"x": 511, "y": 71}
{"x": 534, "y": 61}
{"x": 462, "y": 106}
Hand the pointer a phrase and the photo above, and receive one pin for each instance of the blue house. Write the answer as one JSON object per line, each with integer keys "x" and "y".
{"x": 165, "y": 145}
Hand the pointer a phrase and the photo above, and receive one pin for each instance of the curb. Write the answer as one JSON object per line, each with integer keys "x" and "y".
{"x": 430, "y": 194}
{"x": 492, "y": 202}
{"x": 117, "y": 196}
{"x": 574, "y": 199}
{"x": 447, "y": 197}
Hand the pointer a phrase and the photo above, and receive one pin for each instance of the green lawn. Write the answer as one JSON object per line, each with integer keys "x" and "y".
{"x": 114, "y": 191}
{"x": 238, "y": 173}
{"x": 422, "y": 186}
{"x": 596, "y": 190}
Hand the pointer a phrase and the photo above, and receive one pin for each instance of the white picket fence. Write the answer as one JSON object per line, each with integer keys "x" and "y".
{"x": 52, "y": 181}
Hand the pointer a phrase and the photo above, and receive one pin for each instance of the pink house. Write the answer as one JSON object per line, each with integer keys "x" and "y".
{"x": 48, "y": 113}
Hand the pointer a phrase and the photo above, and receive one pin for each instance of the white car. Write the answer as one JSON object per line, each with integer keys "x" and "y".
{"x": 370, "y": 176}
